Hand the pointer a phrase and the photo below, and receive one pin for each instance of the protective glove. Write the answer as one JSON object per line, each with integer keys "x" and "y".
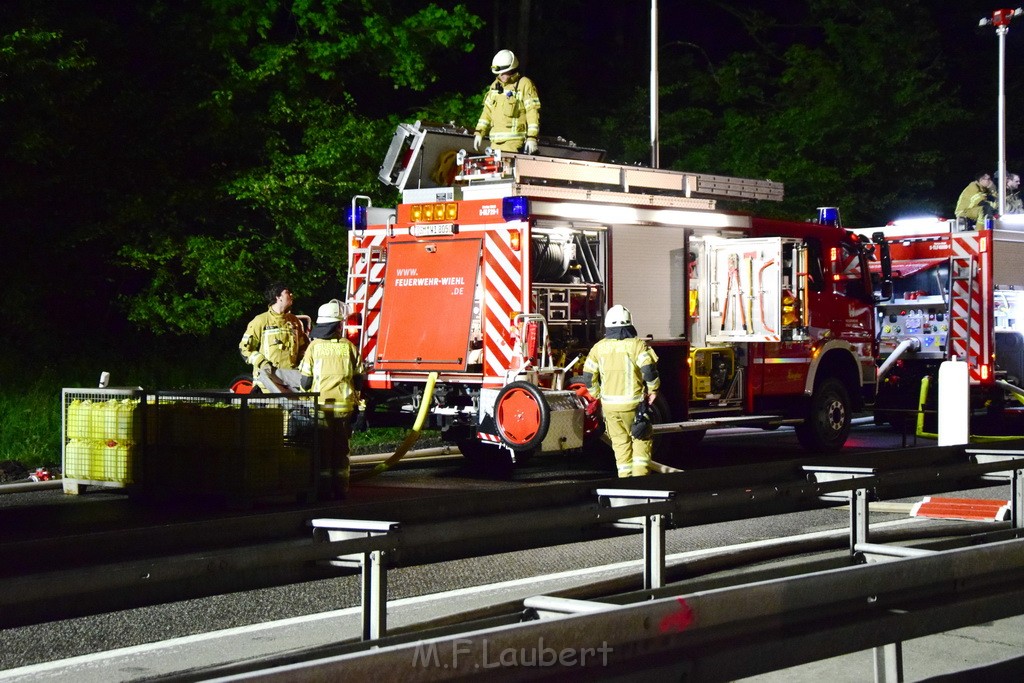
{"x": 530, "y": 147}
{"x": 478, "y": 140}
{"x": 360, "y": 424}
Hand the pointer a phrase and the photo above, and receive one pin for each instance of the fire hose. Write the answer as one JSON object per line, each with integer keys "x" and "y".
{"x": 910, "y": 343}
{"x": 410, "y": 438}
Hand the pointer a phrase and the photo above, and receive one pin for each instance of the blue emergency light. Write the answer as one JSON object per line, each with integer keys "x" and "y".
{"x": 515, "y": 208}
{"x": 828, "y": 215}
{"x": 355, "y": 218}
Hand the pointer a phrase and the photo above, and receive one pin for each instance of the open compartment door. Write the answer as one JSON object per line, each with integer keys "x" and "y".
{"x": 744, "y": 286}
{"x": 428, "y": 305}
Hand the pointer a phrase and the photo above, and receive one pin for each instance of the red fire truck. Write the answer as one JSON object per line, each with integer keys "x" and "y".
{"x": 495, "y": 272}
{"x": 956, "y": 294}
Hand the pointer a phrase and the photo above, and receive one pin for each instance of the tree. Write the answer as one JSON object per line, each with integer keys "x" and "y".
{"x": 310, "y": 88}
{"x": 842, "y": 104}
{"x": 173, "y": 158}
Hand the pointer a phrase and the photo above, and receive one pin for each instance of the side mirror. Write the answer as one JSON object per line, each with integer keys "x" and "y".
{"x": 885, "y": 261}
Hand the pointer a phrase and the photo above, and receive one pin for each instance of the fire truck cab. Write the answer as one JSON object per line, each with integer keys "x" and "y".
{"x": 495, "y": 272}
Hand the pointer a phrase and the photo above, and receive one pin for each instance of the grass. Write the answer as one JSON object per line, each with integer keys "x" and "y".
{"x": 30, "y": 397}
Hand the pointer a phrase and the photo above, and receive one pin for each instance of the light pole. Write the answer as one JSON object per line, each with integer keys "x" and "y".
{"x": 655, "y": 151}
{"x": 1001, "y": 20}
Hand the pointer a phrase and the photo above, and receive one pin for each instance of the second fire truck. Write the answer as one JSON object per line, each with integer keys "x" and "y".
{"x": 495, "y": 272}
{"x": 957, "y": 293}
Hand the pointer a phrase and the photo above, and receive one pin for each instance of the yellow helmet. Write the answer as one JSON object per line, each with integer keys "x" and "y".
{"x": 504, "y": 62}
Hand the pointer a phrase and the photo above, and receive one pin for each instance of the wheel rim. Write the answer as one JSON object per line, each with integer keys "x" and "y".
{"x": 835, "y": 416}
{"x": 519, "y": 416}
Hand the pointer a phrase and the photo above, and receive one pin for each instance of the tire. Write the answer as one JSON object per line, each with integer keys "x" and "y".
{"x": 522, "y": 416}
{"x": 827, "y": 425}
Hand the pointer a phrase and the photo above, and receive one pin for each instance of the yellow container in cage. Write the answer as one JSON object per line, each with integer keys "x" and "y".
{"x": 98, "y": 420}
{"x": 78, "y": 415}
{"x": 115, "y": 462}
{"x": 78, "y": 459}
{"x": 85, "y": 459}
{"x": 121, "y": 420}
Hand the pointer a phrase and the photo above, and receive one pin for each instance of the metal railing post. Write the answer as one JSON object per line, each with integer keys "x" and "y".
{"x": 859, "y": 518}
{"x": 372, "y": 567}
{"x": 653, "y": 527}
{"x": 654, "y": 551}
{"x": 1017, "y": 500}
{"x": 888, "y": 662}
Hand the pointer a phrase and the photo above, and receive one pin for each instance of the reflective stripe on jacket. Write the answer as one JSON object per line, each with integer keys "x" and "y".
{"x": 620, "y": 372}
{"x": 334, "y": 365}
{"x": 277, "y": 338}
{"x": 511, "y": 113}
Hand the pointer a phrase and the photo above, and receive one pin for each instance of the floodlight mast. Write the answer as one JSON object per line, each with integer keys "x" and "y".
{"x": 1001, "y": 19}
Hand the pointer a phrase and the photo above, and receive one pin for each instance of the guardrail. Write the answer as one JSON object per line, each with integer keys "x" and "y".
{"x": 573, "y": 511}
{"x": 720, "y": 635}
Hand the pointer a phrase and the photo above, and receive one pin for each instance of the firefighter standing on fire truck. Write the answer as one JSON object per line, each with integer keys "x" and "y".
{"x": 511, "y": 113}
{"x": 978, "y": 200}
{"x": 622, "y": 371}
{"x": 274, "y": 342}
{"x": 333, "y": 368}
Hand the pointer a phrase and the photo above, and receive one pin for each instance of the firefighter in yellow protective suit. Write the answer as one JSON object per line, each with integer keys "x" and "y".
{"x": 622, "y": 371}
{"x": 333, "y": 368}
{"x": 511, "y": 113}
{"x": 274, "y": 341}
{"x": 978, "y": 200}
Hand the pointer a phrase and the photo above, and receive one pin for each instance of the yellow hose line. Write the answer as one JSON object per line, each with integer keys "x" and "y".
{"x": 410, "y": 438}
{"x": 973, "y": 438}
{"x": 922, "y": 395}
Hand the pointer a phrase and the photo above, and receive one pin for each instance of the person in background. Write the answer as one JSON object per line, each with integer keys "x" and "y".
{"x": 977, "y": 201}
{"x": 511, "y": 113}
{"x": 274, "y": 341}
{"x": 622, "y": 372}
{"x": 1013, "y": 200}
{"x": 333, "y": 368}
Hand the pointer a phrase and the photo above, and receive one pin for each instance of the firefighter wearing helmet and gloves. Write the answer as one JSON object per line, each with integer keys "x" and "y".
{"x": 274, "y": 341}
{"x": 511, "y": 113}
{"x": 333, "y": 368}
{"x": 622, "y": 371}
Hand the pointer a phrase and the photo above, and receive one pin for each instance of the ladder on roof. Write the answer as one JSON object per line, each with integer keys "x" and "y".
{"x": 622, "y": 178}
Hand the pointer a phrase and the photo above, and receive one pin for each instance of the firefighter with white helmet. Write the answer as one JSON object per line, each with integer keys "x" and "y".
{"x": 511, "y": 112}
{"x": 622, "y": 371}
{"x": 333, "y": 368}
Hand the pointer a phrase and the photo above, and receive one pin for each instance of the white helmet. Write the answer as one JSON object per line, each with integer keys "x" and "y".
{"x": 331, "y": 312}
{"x": 618, "y": 316}
{"x": 504, "y": 62}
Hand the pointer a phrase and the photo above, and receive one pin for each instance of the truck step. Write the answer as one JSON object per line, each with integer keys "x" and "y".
{"x": 703, "y": 424}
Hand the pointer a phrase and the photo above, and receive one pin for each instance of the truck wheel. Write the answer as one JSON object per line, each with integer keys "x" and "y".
{"x": 828, "y": 422}
{"x": 522, "y": 416}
